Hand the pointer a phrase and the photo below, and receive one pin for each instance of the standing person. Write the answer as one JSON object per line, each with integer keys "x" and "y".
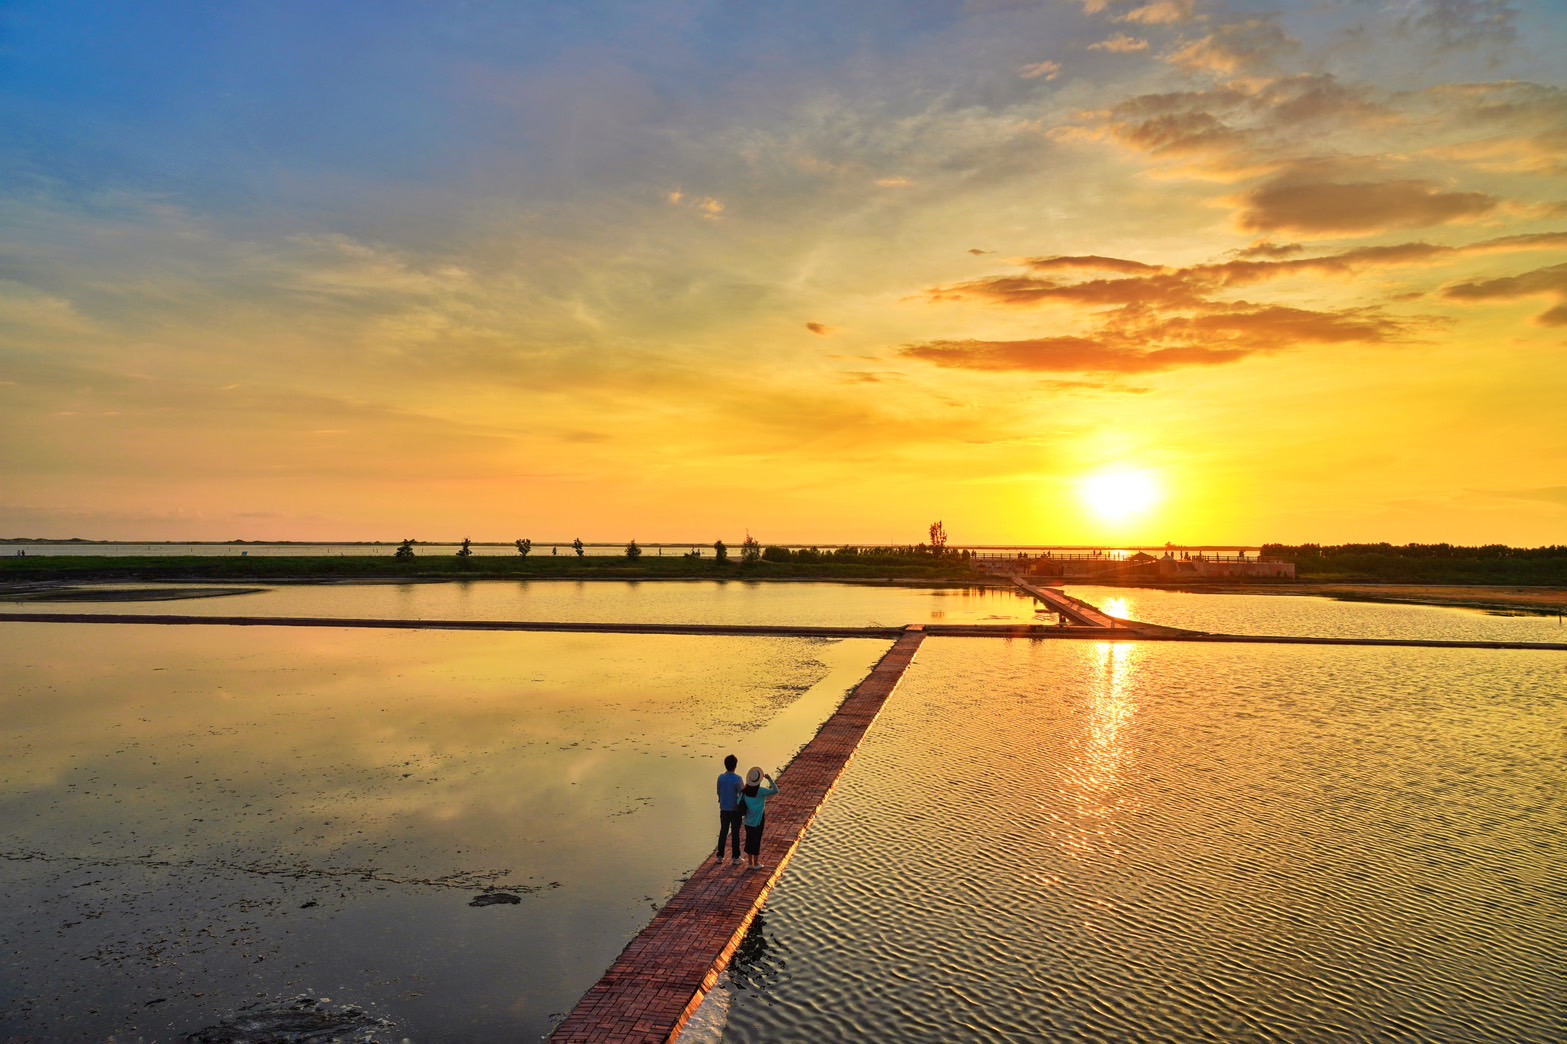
{"x": 728, "y": 814}
{"x": 756, "y": 797}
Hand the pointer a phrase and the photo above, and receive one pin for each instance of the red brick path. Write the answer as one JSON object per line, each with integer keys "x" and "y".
{"x": 656, "y": 983}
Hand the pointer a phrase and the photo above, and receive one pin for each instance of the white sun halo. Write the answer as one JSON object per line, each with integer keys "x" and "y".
{"x": 1118, "y": 495}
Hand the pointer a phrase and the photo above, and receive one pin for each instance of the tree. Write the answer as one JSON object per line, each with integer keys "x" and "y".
{"x": 750, "y": 550}
{"x": 466, "y": 550}
{"x": 720, "y": 552}
{"x": 633, "y": 552}
{"x": 405, "y": 549}
{"x": 576, "y": 545}
{"x": 523, "y": 547}
{"x": 938, "y": 539}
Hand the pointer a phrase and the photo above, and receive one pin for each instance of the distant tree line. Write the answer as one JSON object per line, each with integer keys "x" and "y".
{"x": 1425, "y": 563}
{"x": 900, "y": 553}
{"x": 752, "y": 551}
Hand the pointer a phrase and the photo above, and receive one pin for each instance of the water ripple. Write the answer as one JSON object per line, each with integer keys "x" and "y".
{"x": 1168, "y": 844}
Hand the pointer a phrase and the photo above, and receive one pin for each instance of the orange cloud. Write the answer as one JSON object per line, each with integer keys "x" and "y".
{"x": 1271, "y": 251}
{"x": 819, "y": 329}
{"x": 1152, "y": 318}
{"x": 1157, "y": 286}
{"x": 1294, "y": 100}
{"x": 1064, "y": 355}
{"x": 1278, "y": 325}
{"x": 1091, "y": 262}
{"x": 1551, "y": 280}
{"x": 1180, "y": 133}
{"x": 1120, "y": 43}
{"x": 1235, "y": 48}
{"x": 1160, "y": 12}
{"x": 1351, "y": 208}
{"x": 1025, "y": 291}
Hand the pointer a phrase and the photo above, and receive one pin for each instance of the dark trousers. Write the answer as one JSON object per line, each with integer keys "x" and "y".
{"x": 729, "y": 826}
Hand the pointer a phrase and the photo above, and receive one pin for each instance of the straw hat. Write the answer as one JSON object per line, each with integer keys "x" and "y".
{"x": 754, "y": 776}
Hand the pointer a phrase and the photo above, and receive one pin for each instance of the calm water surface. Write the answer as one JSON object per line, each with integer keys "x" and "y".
{"x": 1086, "y": 842}
{"x": 578, "y": 601}
{"x": 801, "y": 604}
{"x": 194, "y": 823}
{"x": 1039, "y": 840}
{"x": 1312, "y": 617}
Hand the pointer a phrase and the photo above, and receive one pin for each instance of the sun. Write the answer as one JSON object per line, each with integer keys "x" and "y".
{"x": 1120, "y": 495}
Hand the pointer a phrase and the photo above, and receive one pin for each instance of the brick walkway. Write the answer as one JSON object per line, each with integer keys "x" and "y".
{"x": 658, "y": 981}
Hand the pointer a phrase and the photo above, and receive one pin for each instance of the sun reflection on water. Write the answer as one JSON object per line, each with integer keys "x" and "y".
{"x": 1092, "y": 784}
{"x": 1119, "y": 608}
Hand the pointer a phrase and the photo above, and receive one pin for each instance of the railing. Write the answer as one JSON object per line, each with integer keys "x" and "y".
{"x": 1112, "y": 558}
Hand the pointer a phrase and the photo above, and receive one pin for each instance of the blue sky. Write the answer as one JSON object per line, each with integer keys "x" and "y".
{"x": 675, "y": 270}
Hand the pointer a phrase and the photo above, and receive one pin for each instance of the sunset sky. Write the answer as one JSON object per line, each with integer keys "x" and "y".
{"x": 1051, "y": 272}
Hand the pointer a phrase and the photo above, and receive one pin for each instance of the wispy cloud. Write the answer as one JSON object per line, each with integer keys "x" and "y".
{"x": 1065, "y": 355}
{"x": 1120, "y": 43}
{"x": 1160, "y": 12}
{"x": 1549, "y": 281}
{"x": 1243, "y": 48}
{"x": 1046, "y": 70}
{"x": 1357, "y": 208}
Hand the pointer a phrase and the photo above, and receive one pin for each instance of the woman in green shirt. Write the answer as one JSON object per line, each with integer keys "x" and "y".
{"x": 756, "y": 796}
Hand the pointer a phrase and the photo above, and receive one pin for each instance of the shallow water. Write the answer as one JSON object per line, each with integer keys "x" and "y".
{"x": 196, "y": 821}
{"x": 1086, "y": 842}
{"x": 796, "y": 604}
{"x": 1190, "y": 843}
{"x": 595, "y": 601}
{"x": 1314, "y": 617}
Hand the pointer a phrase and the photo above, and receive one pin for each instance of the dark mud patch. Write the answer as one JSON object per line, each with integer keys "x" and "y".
{"x": 495, "y": 899}
{"x": 304, "y": 1020}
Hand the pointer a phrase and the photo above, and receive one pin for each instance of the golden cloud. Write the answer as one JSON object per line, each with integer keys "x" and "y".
{"x": 1151, "y": 318}
{"x": 1120, "y": 43}
{"x": 1014, "y": 291}
{"x": 1064, "y": 355}
{"x": 1551, "y": 280}
{"x": 1160, "y": 12}
{"x": 1088, "y": 262}
{"x": 1240, "y": 47}
{"x": 1357, "y": 208}
{"x": 1184, "y": 133}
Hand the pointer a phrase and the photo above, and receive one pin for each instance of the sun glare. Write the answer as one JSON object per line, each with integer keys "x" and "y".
{"x": 1117, "y": 496}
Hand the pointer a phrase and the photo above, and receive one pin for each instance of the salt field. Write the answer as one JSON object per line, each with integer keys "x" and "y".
{"x": 783, "y": 603}
{"x": 577, "y": 601}
{"x": 204, "y": 823}
{"x": 1315, "y": 617}
{"x": 1142, "y": 842}
{"x": 238, "y": 830}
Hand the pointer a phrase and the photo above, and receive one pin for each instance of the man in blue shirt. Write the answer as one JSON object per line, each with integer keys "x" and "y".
{"x": 729, "y": 818}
